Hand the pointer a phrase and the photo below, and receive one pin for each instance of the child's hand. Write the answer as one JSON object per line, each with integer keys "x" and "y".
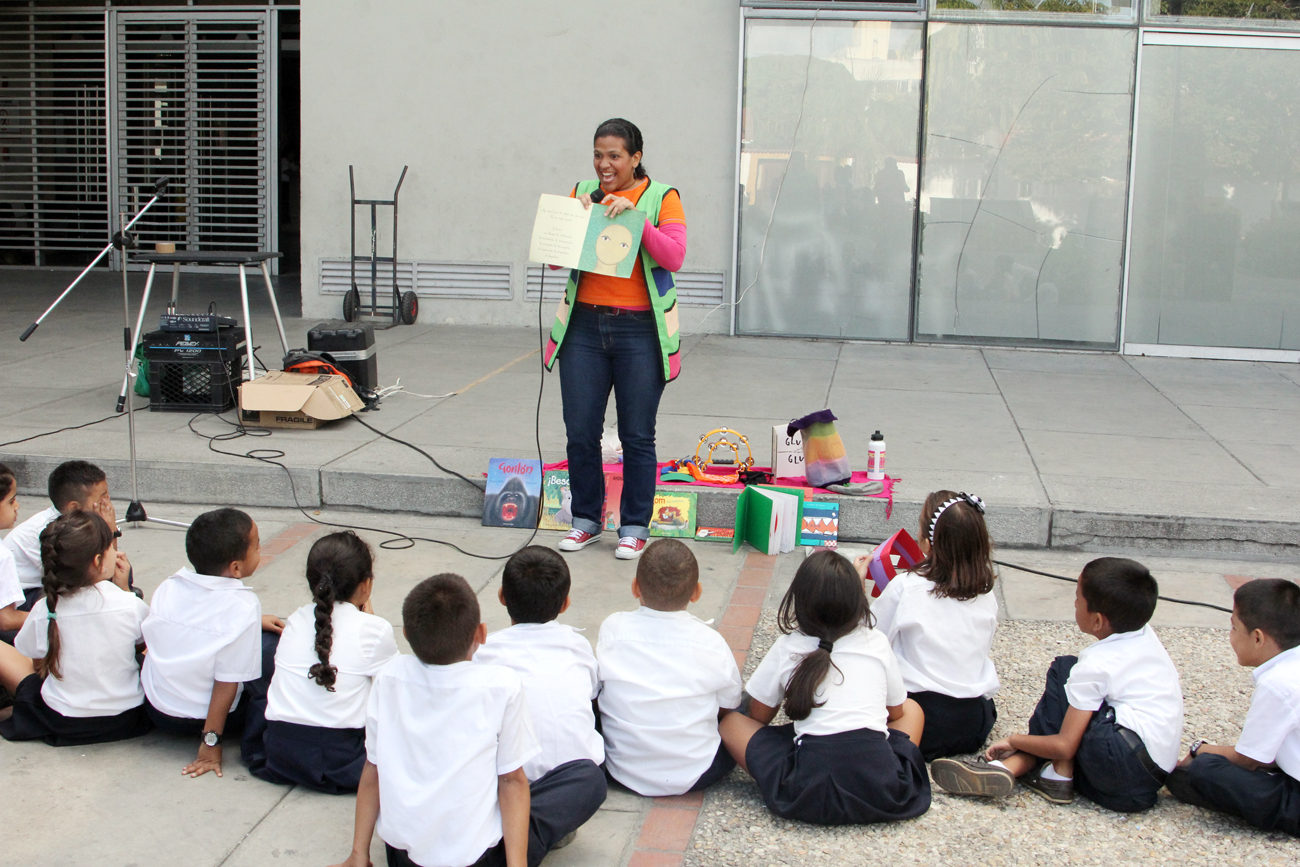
{"x": 271, "y": 623}
{"x": 368, "y": 607}
{"x": 863, "y": 565}
{"x": 209, "y": 759}
{"x": 999, "y": 750}
{"x": 104, "y": 508}
{"x": 355, "y": 860}
{"x": 122, "y": 572}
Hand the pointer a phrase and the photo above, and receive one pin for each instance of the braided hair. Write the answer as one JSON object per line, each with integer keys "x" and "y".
{"x": 336, "y": 566}
{"x": 69, "y": 546}
{"x": 825, "y": 601}
{"x": 631, "y": 136}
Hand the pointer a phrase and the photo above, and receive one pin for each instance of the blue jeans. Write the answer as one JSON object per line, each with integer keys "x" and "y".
{"x": 600, "y": 352}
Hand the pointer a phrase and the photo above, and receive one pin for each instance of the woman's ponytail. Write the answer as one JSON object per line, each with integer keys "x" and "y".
{"x": 825, "y": 601}
{"x": 69, "y": 546}
{"x": 336, "y": 566}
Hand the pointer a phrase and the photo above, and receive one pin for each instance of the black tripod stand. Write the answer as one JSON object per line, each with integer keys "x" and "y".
{"x": 123, "y": 240}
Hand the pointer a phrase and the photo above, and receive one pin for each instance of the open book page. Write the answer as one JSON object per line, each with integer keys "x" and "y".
{"x": 571, "y": 236}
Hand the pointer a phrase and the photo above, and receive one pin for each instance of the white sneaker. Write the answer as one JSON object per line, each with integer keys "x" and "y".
{"x": 577, "y": 540}
{"x": 629, "y": 548}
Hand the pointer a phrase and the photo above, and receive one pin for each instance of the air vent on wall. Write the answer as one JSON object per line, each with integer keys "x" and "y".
{"x": 429, "y": 279}
{"x": 694, "y": 288}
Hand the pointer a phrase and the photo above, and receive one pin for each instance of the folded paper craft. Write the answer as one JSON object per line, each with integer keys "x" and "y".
{"x": 882, "y": 568}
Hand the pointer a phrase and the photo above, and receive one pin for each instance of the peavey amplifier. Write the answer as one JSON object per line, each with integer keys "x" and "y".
{"x": 195, "y": 371}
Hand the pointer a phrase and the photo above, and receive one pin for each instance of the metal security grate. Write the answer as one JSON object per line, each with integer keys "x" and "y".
{"x": 192, "y": 103}
{"x": 694, "y": 288}
{"x": 53, "y": 156}
{"x": 474, "y": 280}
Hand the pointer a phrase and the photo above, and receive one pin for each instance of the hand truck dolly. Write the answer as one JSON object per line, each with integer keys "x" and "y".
{"x": 403, "y": 307}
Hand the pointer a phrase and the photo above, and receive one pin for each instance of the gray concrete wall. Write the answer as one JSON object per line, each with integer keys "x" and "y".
{"x": 494, "y": 103}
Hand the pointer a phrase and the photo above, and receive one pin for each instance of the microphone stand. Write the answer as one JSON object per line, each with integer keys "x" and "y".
{"x": 122, "y": 240}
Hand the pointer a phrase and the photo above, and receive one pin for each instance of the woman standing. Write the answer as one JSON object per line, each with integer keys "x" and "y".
{"x": 619, "y": 333}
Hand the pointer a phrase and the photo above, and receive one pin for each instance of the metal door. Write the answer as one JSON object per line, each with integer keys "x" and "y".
{"x": 192, "y": 99}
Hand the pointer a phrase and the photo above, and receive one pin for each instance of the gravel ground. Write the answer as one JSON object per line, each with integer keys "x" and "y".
{"x": 735, "y": 828}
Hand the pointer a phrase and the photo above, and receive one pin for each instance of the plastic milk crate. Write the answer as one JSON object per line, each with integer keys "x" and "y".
{"x": 194, "y": 372}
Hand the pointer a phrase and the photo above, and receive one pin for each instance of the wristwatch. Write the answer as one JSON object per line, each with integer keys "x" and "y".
{"x": 211, "y": 739}
{"x": 1196, "y": 747}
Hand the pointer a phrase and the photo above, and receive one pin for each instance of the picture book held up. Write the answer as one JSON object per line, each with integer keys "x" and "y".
{"x": 513, "y": 494}
{"x": 571, "y": 236}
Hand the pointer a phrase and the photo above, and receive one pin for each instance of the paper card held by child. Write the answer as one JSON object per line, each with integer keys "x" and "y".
{"x": 567, "y": 234}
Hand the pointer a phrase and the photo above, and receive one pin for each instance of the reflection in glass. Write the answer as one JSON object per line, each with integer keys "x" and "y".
{"x": 828, "y": 177}
{"x": 1216, "y": 199}
{"x": 1026, "y": 173}
{"x": 1077, "y": 7}
{"x": 1268, "y": 10}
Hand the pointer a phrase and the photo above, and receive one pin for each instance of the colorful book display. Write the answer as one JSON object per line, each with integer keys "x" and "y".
{"x": 820, "y": 525}
{"x": 673, "y": 515}
{"x": 514, "y": 493}
{"x": 556, "y": 501}
{"x": 768, "y": 518}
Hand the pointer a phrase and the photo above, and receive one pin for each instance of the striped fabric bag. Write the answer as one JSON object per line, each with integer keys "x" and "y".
{"x": 824, "y": 459}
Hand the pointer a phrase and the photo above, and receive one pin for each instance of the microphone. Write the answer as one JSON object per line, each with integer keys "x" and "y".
{"x": 598, "y": 195}
{"x": 160, "y": 185}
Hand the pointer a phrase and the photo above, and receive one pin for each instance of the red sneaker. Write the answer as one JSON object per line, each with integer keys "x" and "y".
{"x": 629, "y": 548}
{"x": 577, "y": 540}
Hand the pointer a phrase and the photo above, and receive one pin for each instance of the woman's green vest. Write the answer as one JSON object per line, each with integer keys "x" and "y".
{"x": 659, "y": 282}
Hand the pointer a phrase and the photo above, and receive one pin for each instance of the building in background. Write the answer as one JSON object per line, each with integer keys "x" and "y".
{"x": 1061, "y": 173}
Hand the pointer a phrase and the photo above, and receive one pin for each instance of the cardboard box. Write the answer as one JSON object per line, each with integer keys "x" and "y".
{"x": 298, "y": 400}
{"x": 787, "y": 453}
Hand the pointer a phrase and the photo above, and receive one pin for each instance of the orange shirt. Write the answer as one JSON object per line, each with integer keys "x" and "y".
{"x": 629, "y": 292}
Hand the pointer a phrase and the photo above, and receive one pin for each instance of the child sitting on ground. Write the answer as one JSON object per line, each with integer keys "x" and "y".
{"x": 83, "y": 636}
{"x": 327, "y": 655}
{"x": 554, "y": 662}
{"x": 72, "y": 485}
{"x": 208, "y": 658}
{"x": 1109, "y": 721}
{"x": 664, "y": 676}
{"x": 11, "y": 592}
{"x": 1258, "y": 778}
{"x": 850, "y": 756}
{"x": 940, "y": 621}
{"x": 446, "y": 742}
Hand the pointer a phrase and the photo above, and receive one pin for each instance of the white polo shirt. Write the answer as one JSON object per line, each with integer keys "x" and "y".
{"x": 361, "y": 645}
{"x": 942, "y": 644}
{"x": 200, "y": 629}
{"x": 1132, "y": 672}
{"x": 440, "y": 736}
{"x": 663, "y": 677}
{"x": 24, "y": 542}
{"x": 99, "y": 628}
{"x": 560, "y": 680}
{"x": 1271, "y": 732}
{"x": 11, "y": 592}
{"x": 855, "y": 697}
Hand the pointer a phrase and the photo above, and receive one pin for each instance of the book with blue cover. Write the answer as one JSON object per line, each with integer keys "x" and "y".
{"x": 514, "y": 493}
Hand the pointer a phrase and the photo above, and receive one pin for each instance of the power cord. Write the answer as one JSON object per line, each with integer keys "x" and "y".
{"x": 399, "y": 541}
{"x": 1076, "y": 581}
{"x": 50, "y": 433}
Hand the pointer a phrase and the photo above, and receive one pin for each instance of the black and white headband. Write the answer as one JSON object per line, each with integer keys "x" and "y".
{"x": 969, "y": 499}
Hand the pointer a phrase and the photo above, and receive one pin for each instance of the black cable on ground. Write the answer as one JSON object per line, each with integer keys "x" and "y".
{"x": 1076, "y": 581}
{"x": 50, "y": 433}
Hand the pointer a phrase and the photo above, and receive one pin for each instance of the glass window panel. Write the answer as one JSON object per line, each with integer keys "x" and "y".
{"x": 1026, "y": 175}
{"x": 1216, "y": 199}
{"x": 1122, "y": 8}
{"x": 1254, "y": 10}
{"x": 828, "y": 177}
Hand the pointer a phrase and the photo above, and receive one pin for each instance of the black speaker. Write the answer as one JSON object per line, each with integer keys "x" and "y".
{"x": 352, "y": 346}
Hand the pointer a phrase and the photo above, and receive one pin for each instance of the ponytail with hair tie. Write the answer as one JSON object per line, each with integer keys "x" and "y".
{"x": 69, "y": 546}
{"x": 336, "y": 566}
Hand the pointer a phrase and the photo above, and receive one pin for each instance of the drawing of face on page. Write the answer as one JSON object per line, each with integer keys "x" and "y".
{"x": 613, "y": 245}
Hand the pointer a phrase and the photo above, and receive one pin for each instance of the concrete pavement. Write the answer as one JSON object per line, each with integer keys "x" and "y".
{"x": 1079, "y": 451}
